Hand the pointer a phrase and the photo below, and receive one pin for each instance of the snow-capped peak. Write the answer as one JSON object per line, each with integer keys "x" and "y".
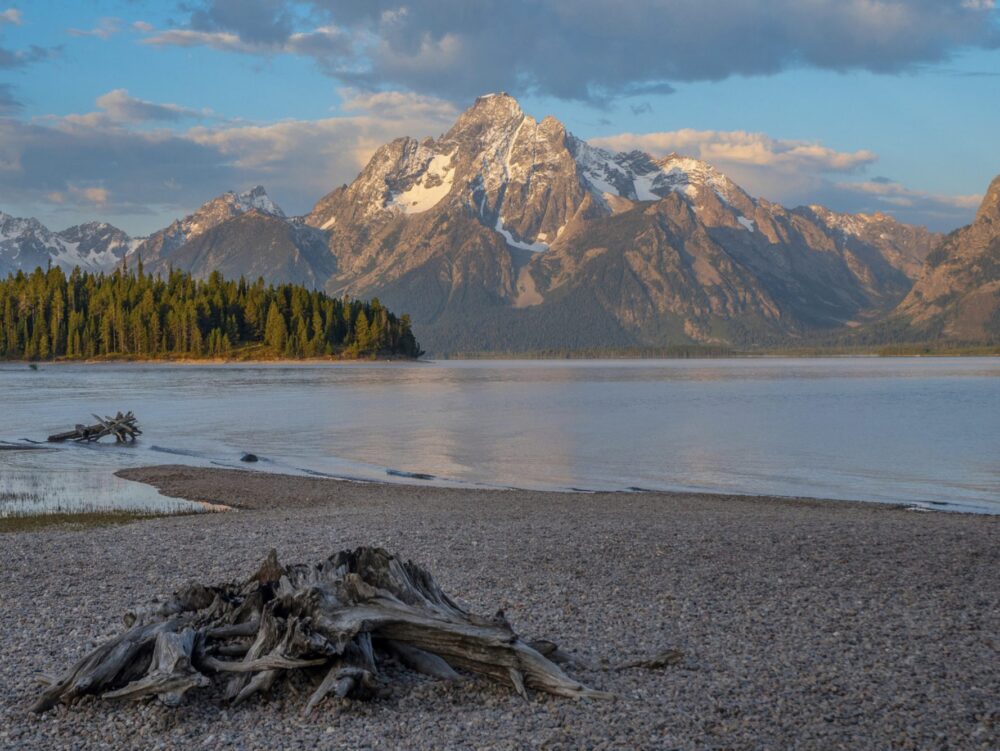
{"x": 13, "y": 226}
{"x": 689, "y": 175}
{"x": 637, "y": 176}
{"x": 523, "y": 178}
{"x": 257, "y": 198}
{"x": 218, "y": 210}
{"x": 27, "y": 243}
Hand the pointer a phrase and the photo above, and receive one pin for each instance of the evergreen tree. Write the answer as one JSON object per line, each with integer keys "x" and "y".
{"x": 362, "y": 334}
{"x": 276, "y": 334}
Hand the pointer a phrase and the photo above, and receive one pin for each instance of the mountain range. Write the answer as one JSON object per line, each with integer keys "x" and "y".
{"x": 26, "y": 244}
{"x": 511, "y": 234}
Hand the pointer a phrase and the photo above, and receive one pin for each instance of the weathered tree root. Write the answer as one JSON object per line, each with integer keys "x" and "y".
{"x": 338, "y": 618}
{"x": 123, "y": 427}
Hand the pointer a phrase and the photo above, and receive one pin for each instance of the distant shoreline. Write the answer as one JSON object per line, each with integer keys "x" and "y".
{"x": 708, "y": 353}
{"x": 206, "y": 361}
{"x": 985, "y": 351}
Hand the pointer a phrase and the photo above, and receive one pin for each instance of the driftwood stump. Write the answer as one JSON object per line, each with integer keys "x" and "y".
{"x": 337, "y": 619}
{"x": 122, "y": 426}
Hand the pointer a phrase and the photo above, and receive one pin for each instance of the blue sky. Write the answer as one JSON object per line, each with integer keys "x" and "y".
{"x": 136, "y": 112}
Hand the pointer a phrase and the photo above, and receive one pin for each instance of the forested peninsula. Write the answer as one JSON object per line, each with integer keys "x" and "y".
{"x": 47, "y": 315}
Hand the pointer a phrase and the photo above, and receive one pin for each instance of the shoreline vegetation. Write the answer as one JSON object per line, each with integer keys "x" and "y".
{"x": 249, "y": 356}
{"x": 49, "y": 316}
{"x": 74, "y": 520}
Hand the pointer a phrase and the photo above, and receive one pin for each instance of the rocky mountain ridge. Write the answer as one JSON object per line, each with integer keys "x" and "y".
{"x": 507, "y": 233}
{"x": 957, "y": 295}
{"x": 504, "y": 217}
{"x": 156, "y": 250}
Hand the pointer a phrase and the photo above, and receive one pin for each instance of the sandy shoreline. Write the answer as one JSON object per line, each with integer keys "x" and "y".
{"x": 804, "y": 624}
{"x": 283, "y": 361}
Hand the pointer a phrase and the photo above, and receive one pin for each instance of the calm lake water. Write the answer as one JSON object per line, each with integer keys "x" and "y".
{"x": 920, "y": 431}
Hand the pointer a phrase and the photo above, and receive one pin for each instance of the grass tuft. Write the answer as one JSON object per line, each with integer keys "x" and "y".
{"x": 73, "y": 521}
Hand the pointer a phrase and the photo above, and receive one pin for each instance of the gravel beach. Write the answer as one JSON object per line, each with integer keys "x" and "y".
{"x": 803, "y": 624}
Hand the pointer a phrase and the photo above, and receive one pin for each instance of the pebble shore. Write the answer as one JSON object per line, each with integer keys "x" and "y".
{"x": 803, "y": 624}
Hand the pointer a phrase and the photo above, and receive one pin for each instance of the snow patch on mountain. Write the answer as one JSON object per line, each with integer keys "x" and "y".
{"x": 747, "y": 224}
{"x": 429, "y": 189}
{"x": 67, "y": 255}
{"x": 535, "y": 247}
{"x": 603, "y": 175}
{"x": 643, "y": 185}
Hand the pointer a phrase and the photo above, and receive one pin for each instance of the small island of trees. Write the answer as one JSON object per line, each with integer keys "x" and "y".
{"x": 47, "y": 315}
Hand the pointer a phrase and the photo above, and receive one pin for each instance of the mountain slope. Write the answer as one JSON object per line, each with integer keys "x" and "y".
{"x": 957, "y": 295}
{"x": 515, "y": 222}
{"x": 240, "y": 234}
{"x": 252, "y": 245}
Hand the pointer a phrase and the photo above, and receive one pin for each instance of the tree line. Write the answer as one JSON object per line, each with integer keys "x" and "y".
{"x": 46, "y": 315}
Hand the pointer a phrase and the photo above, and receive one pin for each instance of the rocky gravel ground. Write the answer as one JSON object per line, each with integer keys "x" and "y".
{"x": 804, "y": 625}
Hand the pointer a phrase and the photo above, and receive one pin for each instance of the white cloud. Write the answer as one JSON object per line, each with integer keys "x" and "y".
{"x": 122, "y": 107}
{"x": 309, "y": 158}
{"x": 219, "y": 40}
{"x": 97, "y": 196}
{"x": 10, "y": 16}
{"x": 397, "y": 104}
{"x": 105, "y": 29}
{"x": 61, "y": 168}
{"x": 741, "y": 147}
{"x": 789, "y": 171}
{"x": 898, "y": 195}
{"x": 796, "y": 172}
{"x": 118, "y": 107}
{"x": 323, "y": 42}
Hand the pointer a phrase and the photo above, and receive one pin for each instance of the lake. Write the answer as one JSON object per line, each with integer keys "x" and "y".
{"x": 922, "y": 431}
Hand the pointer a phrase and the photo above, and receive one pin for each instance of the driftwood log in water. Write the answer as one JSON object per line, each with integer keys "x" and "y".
{"x": 335, "y": 621}
{"x": 123, "y": 427}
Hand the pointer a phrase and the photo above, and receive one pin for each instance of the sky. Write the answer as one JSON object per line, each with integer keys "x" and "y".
{"x": 137, "y": 111}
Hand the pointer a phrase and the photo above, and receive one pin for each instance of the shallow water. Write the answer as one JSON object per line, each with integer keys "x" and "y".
{"x": 915, "y": 430}
{"x": 25, "y": 489}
